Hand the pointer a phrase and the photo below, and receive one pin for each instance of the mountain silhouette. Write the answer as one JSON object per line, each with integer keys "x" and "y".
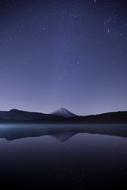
{"x": 61, "y": 116}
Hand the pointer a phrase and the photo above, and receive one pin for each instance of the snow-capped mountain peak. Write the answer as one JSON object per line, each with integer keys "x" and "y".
{"x": 63, "y": 112}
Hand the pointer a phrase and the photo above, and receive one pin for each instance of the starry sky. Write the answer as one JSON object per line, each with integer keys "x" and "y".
{"x": 63, "y": 53}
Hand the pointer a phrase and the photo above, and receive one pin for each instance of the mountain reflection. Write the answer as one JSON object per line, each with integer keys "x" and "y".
{"x": 59, "y": 132}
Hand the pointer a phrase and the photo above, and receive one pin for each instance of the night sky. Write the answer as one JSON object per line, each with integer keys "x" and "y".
{"x": 63, "y": 53}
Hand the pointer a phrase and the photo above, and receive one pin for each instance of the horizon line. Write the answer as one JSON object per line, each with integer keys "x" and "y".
{"x": 62, "y": 108}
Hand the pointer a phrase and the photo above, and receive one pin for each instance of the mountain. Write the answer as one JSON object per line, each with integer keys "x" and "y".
{"x": 64, "y": 113}
{"x": 62, "y": 137}
{"x": 61, "y": 116}
{"x": 15, "y": 114}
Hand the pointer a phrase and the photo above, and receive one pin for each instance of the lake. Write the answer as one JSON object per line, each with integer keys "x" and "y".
{"x": 75, "y": 156}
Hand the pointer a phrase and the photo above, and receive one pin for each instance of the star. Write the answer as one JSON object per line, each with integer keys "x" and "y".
{"x": 78, "y": 62}
{"x": 74, "y": 16}
{"x": 8, "y": 39}
{"x": 43, "y": 28}
{"x": 108, "y": 30}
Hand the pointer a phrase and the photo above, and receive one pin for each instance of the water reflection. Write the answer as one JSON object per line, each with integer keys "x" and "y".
{"x": 63, "y": 156}
{"x": 60, "y": 132}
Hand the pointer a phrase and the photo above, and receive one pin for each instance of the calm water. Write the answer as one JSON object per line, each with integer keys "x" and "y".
{"x": 61, "y": 155}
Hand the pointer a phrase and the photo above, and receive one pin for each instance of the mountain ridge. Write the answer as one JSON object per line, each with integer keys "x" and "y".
{"x": 62, "y": 115}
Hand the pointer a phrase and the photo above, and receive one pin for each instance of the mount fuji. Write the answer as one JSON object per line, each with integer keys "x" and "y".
{"x": 63, "y": 113}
